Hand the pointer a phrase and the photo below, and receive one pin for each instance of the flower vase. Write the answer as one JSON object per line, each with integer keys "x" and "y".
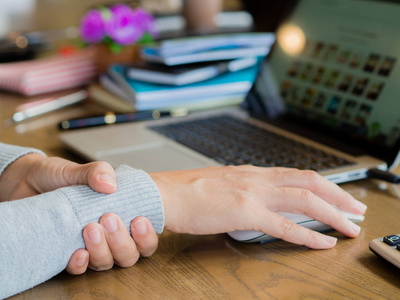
{"x": 104, "y": 56}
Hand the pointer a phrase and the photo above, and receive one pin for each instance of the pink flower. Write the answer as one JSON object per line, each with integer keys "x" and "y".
{"x": 92, "y": 27}
{"x": 124, "y": 26}
{"x": 146, "y": 21}
{"x": 117, "y": 26}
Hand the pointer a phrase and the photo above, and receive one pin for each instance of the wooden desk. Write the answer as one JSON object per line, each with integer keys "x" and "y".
{"x": 216, "y": 267}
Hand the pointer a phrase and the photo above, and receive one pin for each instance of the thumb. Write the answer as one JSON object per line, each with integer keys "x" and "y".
{"x": 99, "y": 175}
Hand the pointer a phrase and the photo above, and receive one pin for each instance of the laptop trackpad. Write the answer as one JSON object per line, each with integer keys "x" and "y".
{"x": 155, "y": 157}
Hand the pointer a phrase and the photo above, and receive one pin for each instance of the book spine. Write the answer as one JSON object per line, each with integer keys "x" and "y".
{"x": 120, "y": 80}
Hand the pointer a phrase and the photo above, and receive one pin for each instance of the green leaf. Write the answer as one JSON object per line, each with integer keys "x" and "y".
{"x": 115, "y": 48}
{"x": 108, "y": 40}
{"x": 146, "y": 39}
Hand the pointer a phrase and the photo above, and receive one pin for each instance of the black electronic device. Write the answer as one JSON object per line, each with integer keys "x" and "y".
{"x": 387, "y": 247}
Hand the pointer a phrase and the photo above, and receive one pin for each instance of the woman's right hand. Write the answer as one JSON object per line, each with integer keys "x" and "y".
{"x": 223, "y": 199}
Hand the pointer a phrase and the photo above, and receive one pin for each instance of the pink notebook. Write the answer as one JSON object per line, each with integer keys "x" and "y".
{"x": 48, "y": 74}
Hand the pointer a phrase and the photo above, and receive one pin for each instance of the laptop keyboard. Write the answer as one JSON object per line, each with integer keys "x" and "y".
{"x": 231, "y": 141}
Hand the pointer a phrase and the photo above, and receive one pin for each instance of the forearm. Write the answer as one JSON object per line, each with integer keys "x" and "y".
{"x": 39, "y": 234}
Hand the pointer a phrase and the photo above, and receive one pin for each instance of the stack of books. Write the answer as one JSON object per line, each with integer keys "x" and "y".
{"x": 192, "y": 73}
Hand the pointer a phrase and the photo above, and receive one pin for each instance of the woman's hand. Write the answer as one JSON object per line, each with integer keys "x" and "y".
{"x": 223, "y": 199}
{"x": 108, "y": 241}
{"x": 33, "y": 174}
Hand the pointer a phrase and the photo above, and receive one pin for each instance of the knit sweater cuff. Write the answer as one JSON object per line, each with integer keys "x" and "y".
{"x": 136, "y": 195}
{"x": 10, "y": 153}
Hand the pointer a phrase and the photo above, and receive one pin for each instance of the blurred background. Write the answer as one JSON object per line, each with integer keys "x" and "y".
{"x": 33, "y": 15}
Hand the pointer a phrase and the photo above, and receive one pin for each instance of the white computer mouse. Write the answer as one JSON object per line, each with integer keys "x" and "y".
{"x": 252, "y": 236}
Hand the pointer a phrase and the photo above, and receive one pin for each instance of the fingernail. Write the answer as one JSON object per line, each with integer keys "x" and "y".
{"x": 355, "y": 228}
{"x": 95, "y": 236}
{"x": 140, "y": 227}
{"x": 111, "y": 224}
{"x": 81, "y": 261}
{"x": 107, "y": 179}
{"x": 361, "y": 206}
{"x": 331, "y": 241}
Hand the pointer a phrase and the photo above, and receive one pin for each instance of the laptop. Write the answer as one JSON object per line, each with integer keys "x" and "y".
{"x": 328, "y": 89}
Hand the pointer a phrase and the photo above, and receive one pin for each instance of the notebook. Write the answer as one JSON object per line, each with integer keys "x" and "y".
{"x": 50, "y": 74}
{"x": 328, "y": 89}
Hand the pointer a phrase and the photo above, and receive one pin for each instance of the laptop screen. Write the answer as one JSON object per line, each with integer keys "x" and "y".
{"x": 336, "y": 67}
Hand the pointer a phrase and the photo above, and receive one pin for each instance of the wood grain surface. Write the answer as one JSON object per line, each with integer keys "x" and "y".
{"x": 216, "y": 267}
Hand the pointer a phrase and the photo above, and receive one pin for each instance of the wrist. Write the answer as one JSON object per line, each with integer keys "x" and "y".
{"x": 157, "y": 179}
{"x": 168, "y": 187}
{"x": 16, "y": 174}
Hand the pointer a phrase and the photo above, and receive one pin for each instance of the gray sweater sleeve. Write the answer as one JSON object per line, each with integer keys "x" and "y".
{"x": 9, "y": 153}
{"x": 39, "y": 234}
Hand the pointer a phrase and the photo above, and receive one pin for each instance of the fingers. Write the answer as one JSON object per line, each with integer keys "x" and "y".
{"x": 308, "y": 193}
{"x": 300, "y": 201}
{"x": 282, "y": 228}
{"x": 121, "y": 245}
{"x": 78, "y": 263}
{"x": 144, "y": 235}
{"x": 322, "y": 187}
{"x": 311, "y": 181}
{"x": 100, "y": 257}
{"x": 109, "y": 242}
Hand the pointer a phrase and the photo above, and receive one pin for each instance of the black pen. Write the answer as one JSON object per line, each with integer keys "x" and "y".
{"x": 112, "y": 118}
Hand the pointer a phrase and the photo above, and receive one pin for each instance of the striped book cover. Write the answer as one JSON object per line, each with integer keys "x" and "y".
{"x": 48, "y": 74}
